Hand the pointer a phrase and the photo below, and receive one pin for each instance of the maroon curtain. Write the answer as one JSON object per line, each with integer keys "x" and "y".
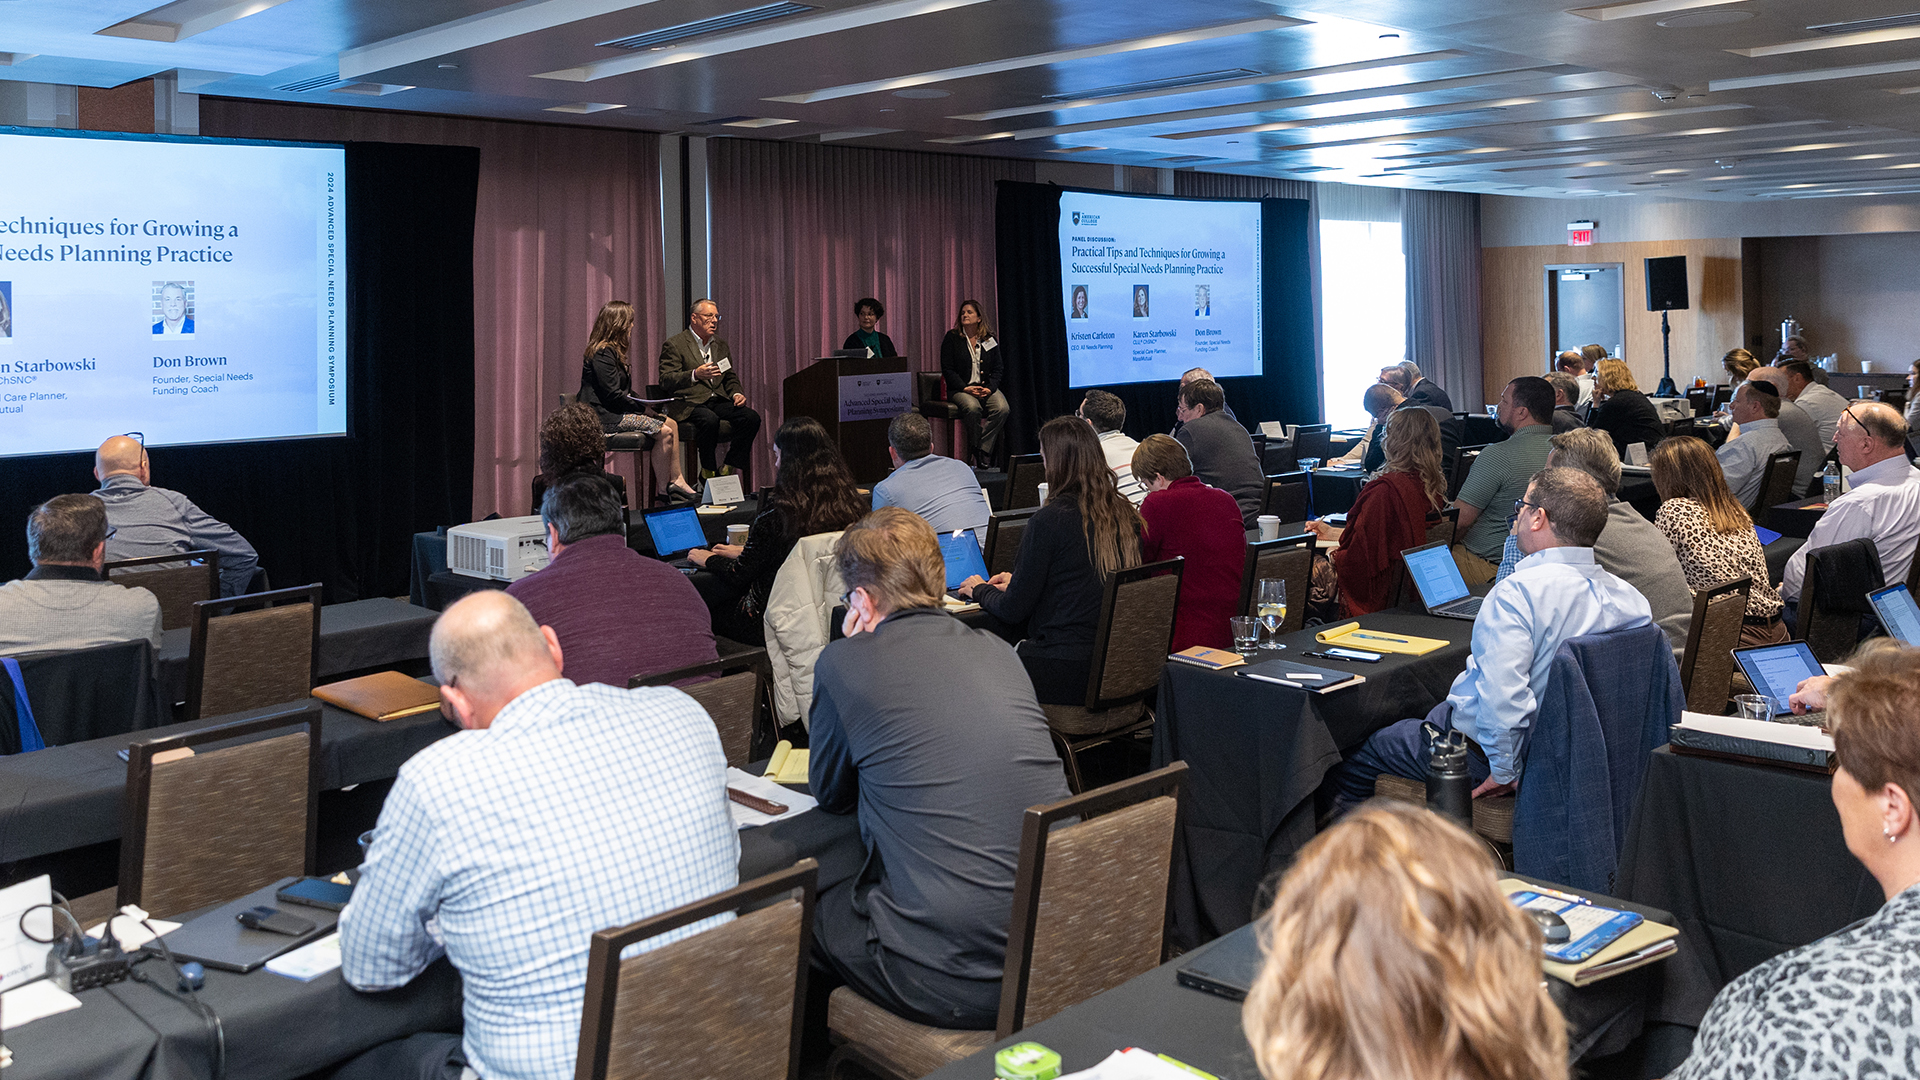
{"x": 567, "y": 219}
{"x": 800, "y": 231}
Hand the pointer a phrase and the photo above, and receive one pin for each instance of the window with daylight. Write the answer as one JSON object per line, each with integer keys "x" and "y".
{"x": 1363, "y": 296}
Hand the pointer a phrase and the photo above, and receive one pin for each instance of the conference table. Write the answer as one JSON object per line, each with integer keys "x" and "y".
{"x": 277, "y": 1028}
{"x": 357, "y": 636}
{"x": 1751, "y": 861}
{"x": 1257, "y": 753}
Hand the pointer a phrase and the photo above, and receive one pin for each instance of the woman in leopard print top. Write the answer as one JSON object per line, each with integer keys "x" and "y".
{"x": 1712, "y": 534}
{"x": 1847, "y": 1005}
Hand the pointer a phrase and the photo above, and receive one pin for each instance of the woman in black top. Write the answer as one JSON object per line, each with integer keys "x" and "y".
{"x": 571, "y": 441}
{"x": 1622, "y": 411}
{"x": 813, "y": 492}
{"x": 1085, "y": 532}
{"x": 606, "y": 386}
{"x": 972, "y": 362}
{"x": 870, "y": 311}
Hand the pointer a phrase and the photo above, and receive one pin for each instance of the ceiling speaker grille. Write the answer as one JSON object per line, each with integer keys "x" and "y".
{"x": 315, "y": 83}
{"x": 732, "y": 21}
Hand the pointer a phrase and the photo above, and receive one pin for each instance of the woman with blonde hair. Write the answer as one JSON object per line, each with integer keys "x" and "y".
{"x": 1391, "y": 954}
{"x": 1622, "y": 411}
{"x": 1712, "y": 535}
{"x": 1072, "y": 545}
{"x": 1737, "y": 363}
{"x": 606, "y": 385}
{"x": 1388, "y": 517}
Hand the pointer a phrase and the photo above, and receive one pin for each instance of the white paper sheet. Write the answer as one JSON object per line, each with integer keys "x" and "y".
{"x": 309, "y": 961}
{"x": 746, "y": 817}
{"x": 20, "y": 957}
{"x": 22, "y": 1006}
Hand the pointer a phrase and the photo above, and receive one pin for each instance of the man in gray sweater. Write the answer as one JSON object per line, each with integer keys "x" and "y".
{"x": 64, "y": 603}
{"x": 1221, "y": 450}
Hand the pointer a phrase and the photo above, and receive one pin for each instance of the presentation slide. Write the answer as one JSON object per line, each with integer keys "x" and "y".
{"x": 1153, "y": 287}
{"x": 193, "y": 291}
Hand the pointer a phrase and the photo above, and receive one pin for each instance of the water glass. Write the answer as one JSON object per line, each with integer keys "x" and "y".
{"x": 1308, "y": 464}
{"x": 1754, "y": 706}
{"x": 1246, "y": 634}
{"x": 1271, "y": 607}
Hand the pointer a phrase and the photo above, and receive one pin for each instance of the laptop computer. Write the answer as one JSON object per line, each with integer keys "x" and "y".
{"x": 1438, "y": 580}
{"x": 1225, "y": 968}
{"x": 962, "y": 553}
{"x": 1898, "y": 613}
{"x": 1775, "y": 670}
{"x": 675, "y": 531}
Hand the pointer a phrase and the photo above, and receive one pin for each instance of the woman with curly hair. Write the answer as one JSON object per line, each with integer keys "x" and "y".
{"x": 571, "y": 441}
{"x": 606, "y": 385}
{"x": 813, "y": 492}
{"x": 1391, "y": 954}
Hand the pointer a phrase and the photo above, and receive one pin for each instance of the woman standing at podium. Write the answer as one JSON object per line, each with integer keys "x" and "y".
{"x": 972, "y": 363}
{"x": 870, "y": 311}
{"x": 606, "y": 384}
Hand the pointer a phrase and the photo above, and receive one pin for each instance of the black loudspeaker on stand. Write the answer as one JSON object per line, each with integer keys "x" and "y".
{"x": 1666, "y": 291}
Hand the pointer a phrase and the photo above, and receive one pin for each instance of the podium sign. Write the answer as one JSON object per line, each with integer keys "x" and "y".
{"x": 880, "y": 396}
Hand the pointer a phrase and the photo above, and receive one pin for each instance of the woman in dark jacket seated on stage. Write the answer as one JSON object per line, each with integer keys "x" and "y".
{"x": 1201, "y": 524}
{"x": 870, "y": 311}
{"x": 1844, "y": 1005}
{"x": 1085, "y": 532}
{"x": 571, "y": 441}
{"x": 1622, "y": 411}
{"x": 606, "y": 386}
{"x": 1388, "y": 517}
{"x": 812, "y": 493}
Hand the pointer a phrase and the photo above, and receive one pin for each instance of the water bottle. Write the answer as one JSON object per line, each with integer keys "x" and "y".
{"x": 1830, "y": 481}
{"x": 1449, "y": 788}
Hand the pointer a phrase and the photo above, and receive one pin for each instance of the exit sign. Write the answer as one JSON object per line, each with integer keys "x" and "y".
{"x": 1580, "y": 233}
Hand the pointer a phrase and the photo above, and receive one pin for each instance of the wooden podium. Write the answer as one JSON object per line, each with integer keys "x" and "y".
{"x": 854, "y": 398}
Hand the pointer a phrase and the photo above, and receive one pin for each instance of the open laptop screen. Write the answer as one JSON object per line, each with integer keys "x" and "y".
{"x": 962, "y": 553}
{"x": 1775, "y": 670}
{"x": 675, "y": 531}
{"x": 1898, "y": 613}
{"x": 1435, "y": 574}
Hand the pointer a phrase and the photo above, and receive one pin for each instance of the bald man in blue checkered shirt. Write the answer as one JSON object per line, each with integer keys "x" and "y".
{"x": 560, "y": 810}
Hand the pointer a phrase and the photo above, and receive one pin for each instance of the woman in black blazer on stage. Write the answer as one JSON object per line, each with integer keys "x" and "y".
{"x": 870, "y": 311}
{"x": 606, "y": 385}
{"x": 1622, "y": 411}
{"x": 972, "y": 363}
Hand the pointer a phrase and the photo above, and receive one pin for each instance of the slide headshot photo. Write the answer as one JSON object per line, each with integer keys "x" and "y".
{"x": 1140, "y": 301}
{"x": 1202, "y": 301}
{"x": 1079, "y": 303}
{"x": 6, "y": 310}
{"x": 173, "y": 308}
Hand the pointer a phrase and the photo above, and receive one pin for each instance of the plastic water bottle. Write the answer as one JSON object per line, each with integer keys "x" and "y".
{"x": 1830, "y": 481}
{"x": 1449, "y": 788}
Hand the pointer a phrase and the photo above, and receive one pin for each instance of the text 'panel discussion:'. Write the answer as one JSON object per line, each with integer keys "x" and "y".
{"x": 881, "y": 539}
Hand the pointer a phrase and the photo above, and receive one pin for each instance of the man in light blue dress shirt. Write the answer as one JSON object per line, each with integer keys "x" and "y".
{"x": 1756, "y": 408}
{"x": 1557, "y": 592}
{"x": 942, "y": 490}
{"x": 560, "y": 811}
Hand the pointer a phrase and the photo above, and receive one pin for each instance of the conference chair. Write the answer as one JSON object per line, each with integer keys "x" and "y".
{"x": 77, "y": 695}
{"x": 206, "y": 822}
{"x": 1722, "y": 396}
{"x": 1776, "y": 483}
{"x": 1129, "y": 651}
{"x": 1706, "y": 665}
{"x": 690, "y": 451}
{"x": 1088, "y": 913}
{"x": 251, "y": 659}
{"x": 1290, "y": 559}
{"x": 627, "y": 442}
{"x": 728, "y": 1003}
{"x": 1462, "y": 465}
{"x": 1312, "y": 441}
{"x": 1004, "y": 530}
{"x": 177, "y": 581}
{"x": 931, "y": 401}
{"x": 1025, "y": 474}
{"x": 1833, "y": 597}
{"x": 1700, "y": 398}
{"x": 1286, "y": 497}
{"x": 733, "y": 690}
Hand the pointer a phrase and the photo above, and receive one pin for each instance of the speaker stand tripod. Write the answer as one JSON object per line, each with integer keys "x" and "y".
{"x": 1666, "y": 387}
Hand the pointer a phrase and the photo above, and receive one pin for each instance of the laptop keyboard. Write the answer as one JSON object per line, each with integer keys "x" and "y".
{"x": 1465, "y": 606}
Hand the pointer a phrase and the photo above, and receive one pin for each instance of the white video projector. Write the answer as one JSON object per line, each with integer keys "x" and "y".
{"x": 504, "y": 549}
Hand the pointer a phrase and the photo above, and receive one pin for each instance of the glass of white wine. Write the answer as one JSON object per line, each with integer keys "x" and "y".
{"x": 1271, "y": 607}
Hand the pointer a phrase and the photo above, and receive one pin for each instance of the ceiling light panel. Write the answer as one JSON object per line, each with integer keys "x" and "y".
{"x": 183, "y": 19}
{"x": 1033, "y": 60}
{"x": 473, "y": 32}
{"x": 733, "y": 20}
{"x": 1791, "y": 78}
{"x": 1611, "y": 12}
{"x": 1832, "y": 41}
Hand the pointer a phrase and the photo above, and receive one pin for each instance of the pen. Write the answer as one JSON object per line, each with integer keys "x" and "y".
{"x": 1379, "y": 637}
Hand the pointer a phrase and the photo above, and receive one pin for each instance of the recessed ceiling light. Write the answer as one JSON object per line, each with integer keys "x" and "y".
{"x": 759, "y": 122}
{"x": 1832, "y": 41}
{"x": 1868, "y": 157}
{"x": 1909, "y": 165}
{"x": 183, "y": 19}
{"x": 1384, "y": 37}
{"x": 583, "y": 108}
{"x": 1611, "y": 12}
{"x": 448, "y": 67}
{"x": 1817, "y": 75}
{"x": 1694, "y": 19}
{"x": 922, "y": 94}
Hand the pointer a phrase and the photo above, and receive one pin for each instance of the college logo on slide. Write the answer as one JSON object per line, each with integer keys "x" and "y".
{"x": 1082, "y": 218}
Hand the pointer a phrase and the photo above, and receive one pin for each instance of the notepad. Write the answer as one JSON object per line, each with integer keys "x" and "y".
{"x": 1353, "y": 636}
{"x": 385, "y": 695}
{"x": 1212, "y": 659}
{"x": 1644, "y": 944}
{"x": 1300, "y": 676}
{"x": 788, "y": 766}
{"x": 309, "y": 961}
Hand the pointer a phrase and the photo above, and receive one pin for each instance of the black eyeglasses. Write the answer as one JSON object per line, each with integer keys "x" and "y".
{"x": 1519, "y": 503}
{"x": 137, "y": 436}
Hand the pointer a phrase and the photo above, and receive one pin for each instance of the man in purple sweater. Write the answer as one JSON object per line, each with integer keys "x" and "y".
{"x": 616, "y": 612}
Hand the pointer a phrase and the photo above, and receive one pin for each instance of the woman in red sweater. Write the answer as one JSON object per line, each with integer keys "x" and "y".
{"x": 1389, "y": 516}
{"x": 1187, "y": 518}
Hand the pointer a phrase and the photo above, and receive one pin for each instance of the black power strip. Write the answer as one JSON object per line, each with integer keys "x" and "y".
{"x": 97, "y": 967}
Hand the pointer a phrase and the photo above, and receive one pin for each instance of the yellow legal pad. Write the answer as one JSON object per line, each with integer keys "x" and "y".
{"x": 1353, "y": 636}
{"x": 788, "y": 766}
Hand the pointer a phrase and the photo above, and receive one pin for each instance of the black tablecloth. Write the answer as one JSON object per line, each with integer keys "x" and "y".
{"x": 1796, "y": 518}
{"x": 1154, "y": 1012}
{"x": 278, "y": 1029}
{"x": 1751, "y": 861}
{"x": 1333, "y": 491}
{"x": 67, "y": 797}
{"x": 356, "y": 636}
{"x": 1778, "y": 553}
{"x": 1257, "y": 753}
